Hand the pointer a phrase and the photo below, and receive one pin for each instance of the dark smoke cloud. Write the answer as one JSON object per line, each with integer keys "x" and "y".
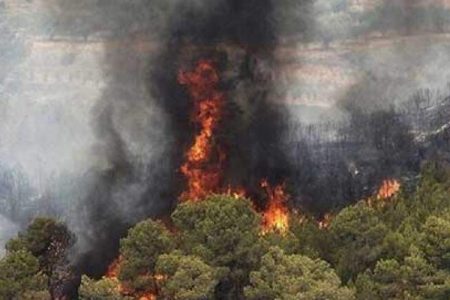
{"x": 144, "y": 109}
{"x": 252, "y": 128}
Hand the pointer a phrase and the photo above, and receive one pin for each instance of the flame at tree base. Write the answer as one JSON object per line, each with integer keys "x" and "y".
{"x": 204, "y": 159}
{"x": 113, "y": 273}
{"x": 276, "y": 214}
{"x": 388, "y": 188}
{"x": 148, "y": 297}
{"x": 325, "y": 222}
{"x": 204, "y": 163}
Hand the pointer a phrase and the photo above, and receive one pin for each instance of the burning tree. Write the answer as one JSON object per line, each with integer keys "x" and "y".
{"x": 215, "y": 249}
{"x": 276, "y": 214}
{"x": 388, "y": 189}
{"x": 135, "y": 268}
{"x": 204, "y": 159}
{"x": 218, "y": 241}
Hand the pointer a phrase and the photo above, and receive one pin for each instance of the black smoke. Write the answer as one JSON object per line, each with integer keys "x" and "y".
{"x": 240, "y": 38}
{"x": 252, "y": 129}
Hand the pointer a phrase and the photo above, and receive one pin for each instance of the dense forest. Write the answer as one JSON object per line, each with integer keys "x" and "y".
{"x": 391, "y": 248}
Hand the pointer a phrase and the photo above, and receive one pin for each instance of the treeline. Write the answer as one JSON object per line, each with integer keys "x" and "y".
{"x": 396, "y": 248}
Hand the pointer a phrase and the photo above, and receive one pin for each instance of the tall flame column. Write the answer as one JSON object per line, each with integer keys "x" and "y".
{"x": 204, "y": 159}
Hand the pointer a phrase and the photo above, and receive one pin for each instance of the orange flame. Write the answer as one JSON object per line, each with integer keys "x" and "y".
{"x": 151, "y": 295}
{"x": 276, "y": 215}
{"x": 113, "y": 273}
{"x": 388, "y": 188}
{"x": 204, "y": 159}
{"x": 114, "y": 268}
{"x": 236, "y": 192}
{"x": 148, "y": 297}
{"x": 326, "y": 221}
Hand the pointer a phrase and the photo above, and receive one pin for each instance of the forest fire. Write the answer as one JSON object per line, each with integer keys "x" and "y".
{"x": 276, "y": 215}
{"x": 236, "y": 192}
{"x": 114, "y": 268}
{"x": 113, "y": 273}
{"x": 325, "y": 222}
{"x": 204, "y": 159}
{"x": 148, "y": 297}
{"x": 388, "y": 188}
